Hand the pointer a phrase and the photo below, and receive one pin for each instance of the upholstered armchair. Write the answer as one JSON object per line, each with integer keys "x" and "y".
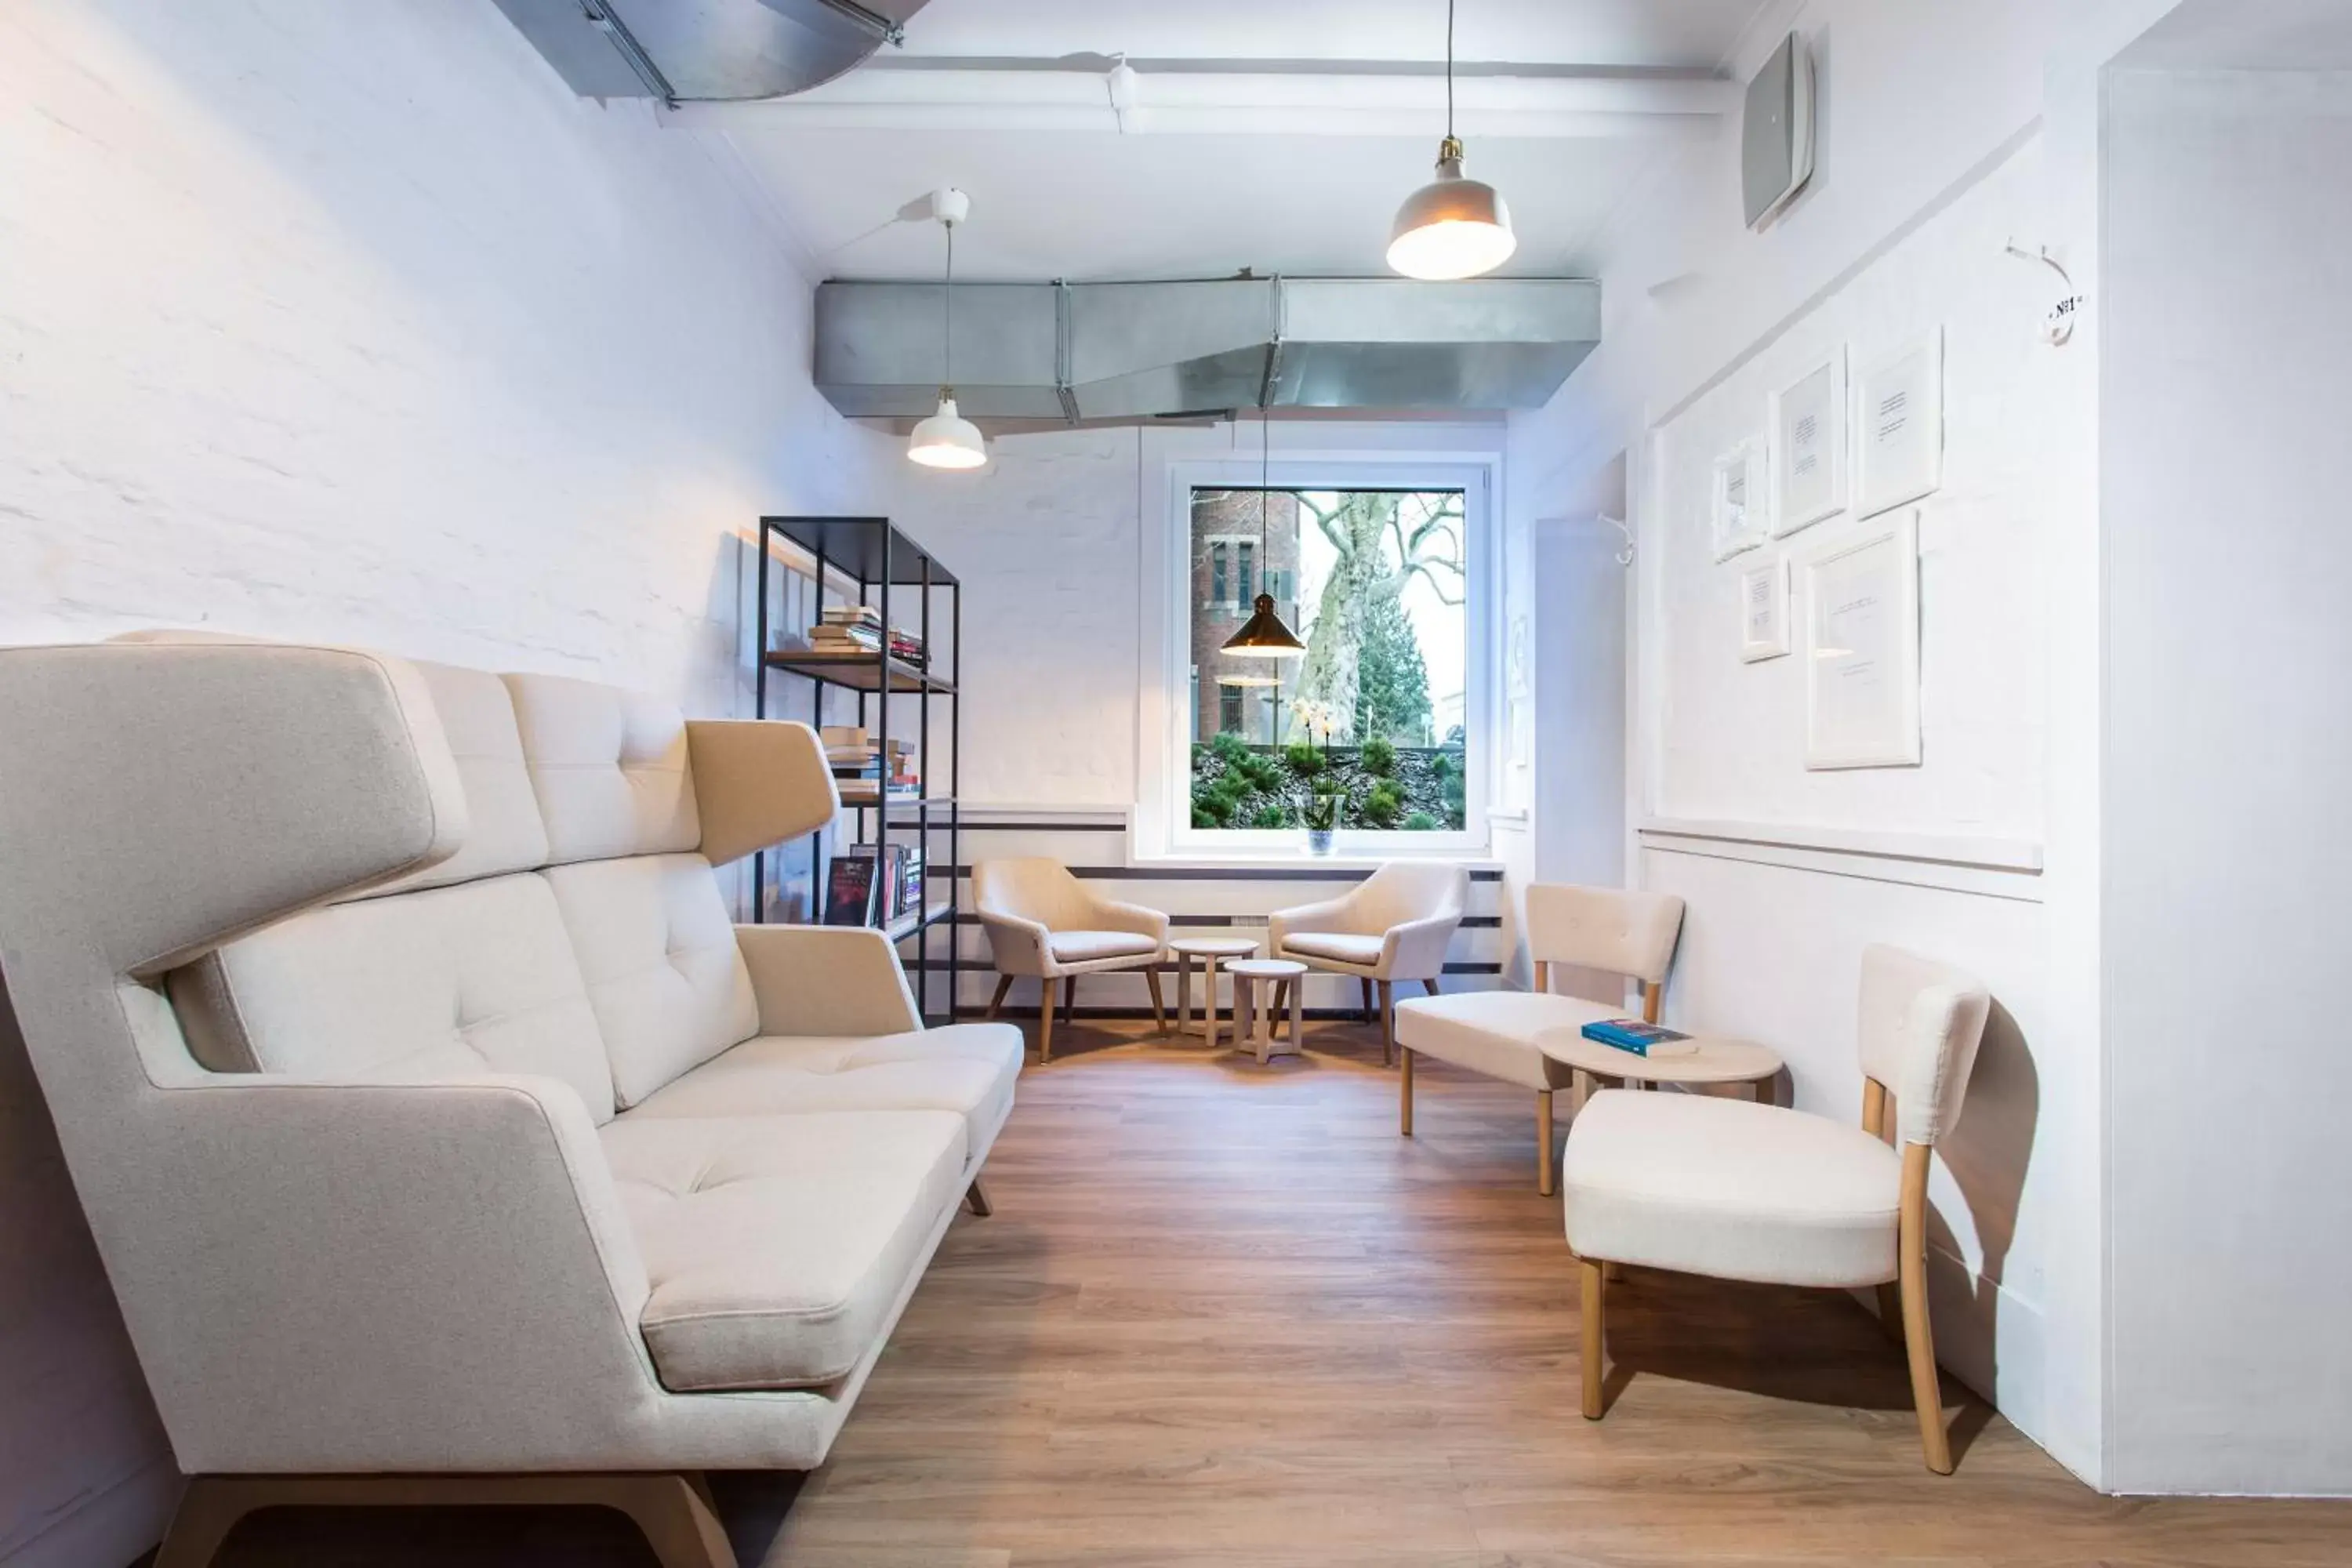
{"x": 1044, "y": 924}
{"x": 1736, "y": 1190}
{"x": 1396, "y": 924}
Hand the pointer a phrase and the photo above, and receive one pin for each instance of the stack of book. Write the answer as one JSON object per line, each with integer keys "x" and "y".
{"x": 847, "y": 629}
{"x": 870, "y": 885}
{"x": 864, "y": 770}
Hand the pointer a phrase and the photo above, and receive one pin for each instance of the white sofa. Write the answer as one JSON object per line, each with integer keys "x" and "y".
{"x": 435, "y": 1125}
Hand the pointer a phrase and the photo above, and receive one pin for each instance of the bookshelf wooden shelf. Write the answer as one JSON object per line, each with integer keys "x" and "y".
{"x": 868, "y": 561}
{"x": 859, "y": 671}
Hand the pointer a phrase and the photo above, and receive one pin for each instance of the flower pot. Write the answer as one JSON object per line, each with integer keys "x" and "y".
{"x": 1318, "y": 840}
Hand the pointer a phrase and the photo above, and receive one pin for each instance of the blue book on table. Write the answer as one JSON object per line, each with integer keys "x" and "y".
{"x": 1631, "y": 1034}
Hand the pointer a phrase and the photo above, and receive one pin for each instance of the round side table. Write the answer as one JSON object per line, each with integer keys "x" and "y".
{"x": 1704, "y": 1059}
{"x": 1251, "y": 1030}
{"x": 1208, "y": 950}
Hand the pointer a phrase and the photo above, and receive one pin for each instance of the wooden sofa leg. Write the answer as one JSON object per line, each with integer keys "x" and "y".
{"x": 1593, "y": 1334}
{"x": 995, "y": 1002}
{"x": 1367, "y": 984}
{"x": 1404, "y": 1092}
{"x": 1387, "y": 1023}
{"x": 1159, "y": 1006}
{"x": 1543, "y": 1142}
{"x": 1917, "y": 1333}
{"x": 976, "y": 1197}
{"x": 673, "y": 1510}
{"x": 1046, "y": 1021}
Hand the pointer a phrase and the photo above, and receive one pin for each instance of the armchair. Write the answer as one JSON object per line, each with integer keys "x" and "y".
{"x": 1396, "y": 924}
{"x": 1044, "y": 924}
{"x": 1738, "y": 1191}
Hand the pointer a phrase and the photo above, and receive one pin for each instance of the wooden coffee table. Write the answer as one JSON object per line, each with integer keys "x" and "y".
{"x": 1718, "y": 1060}
{"x": 1208, "y": 950}
{"x": 1256, "y": 1027}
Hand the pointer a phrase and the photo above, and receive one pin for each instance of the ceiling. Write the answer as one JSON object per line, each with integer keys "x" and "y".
{"x": 1272, "y": 134}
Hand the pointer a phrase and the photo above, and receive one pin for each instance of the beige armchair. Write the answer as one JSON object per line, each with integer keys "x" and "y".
{"x": 1396, "y": 924}
{"x": 1739, "y": 1191}
{"x": 1044, "y": 924}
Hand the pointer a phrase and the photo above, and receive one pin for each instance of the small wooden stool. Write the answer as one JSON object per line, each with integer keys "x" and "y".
{"x": 1208, "y": 950}
{"x": 1278, "y": 975}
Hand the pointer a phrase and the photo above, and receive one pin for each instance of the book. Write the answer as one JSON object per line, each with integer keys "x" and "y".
{"x": 850, "y": 886}
{"x": 910, "y": 880}
{"x": 1634, "y": 1035}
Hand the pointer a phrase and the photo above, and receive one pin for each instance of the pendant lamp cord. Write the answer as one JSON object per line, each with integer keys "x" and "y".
{"x": 947, "y": 342}
{"x": 1449, "y": 69}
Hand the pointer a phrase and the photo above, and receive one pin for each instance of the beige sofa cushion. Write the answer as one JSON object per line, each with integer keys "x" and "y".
{"x": 968, "y": 1068}
{"x": 1344, "y": 946}
{"x": 1494, "y": 1032}
{"x": 448, "y": 980}
{"x": 777, "y": 1248}
{"x": 609, "y": 768}
{"x": 1729, "y": 1189}
{"x": 1090, "y": 946}
{"x": 504, "y": 832}
{"x": 664, "y": 974}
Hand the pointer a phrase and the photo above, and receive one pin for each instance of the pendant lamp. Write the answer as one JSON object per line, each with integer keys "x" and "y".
{"x": 1453, "y": 226}
{"x": 947, "y": 440}
{"x": 1264, "y": 636}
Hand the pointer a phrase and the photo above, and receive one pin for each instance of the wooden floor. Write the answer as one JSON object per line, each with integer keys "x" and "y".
{"x": 1223, "y": 1316}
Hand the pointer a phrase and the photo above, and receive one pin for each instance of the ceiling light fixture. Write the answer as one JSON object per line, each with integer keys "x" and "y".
{"x": 1453, "y": 226}
{"x": 1264, "y": 636}
{"x": 947, "y": 440}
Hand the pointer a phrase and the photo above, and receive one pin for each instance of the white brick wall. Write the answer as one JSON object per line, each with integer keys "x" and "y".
{"x": 350, "y": 321}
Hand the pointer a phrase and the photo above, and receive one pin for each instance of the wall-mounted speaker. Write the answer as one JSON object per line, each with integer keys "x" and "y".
{"x": 1776, "y": 135}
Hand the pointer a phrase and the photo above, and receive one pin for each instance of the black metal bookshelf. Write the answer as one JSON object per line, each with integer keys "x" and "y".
{"x": 869, "y": 561}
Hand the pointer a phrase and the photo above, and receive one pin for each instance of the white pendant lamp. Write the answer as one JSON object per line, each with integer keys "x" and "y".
{"x": 1453, "y": 226}
{"x": 947, "y": 440}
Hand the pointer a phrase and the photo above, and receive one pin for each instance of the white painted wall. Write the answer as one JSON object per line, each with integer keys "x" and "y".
{"x": 1945, "y": 131}
{"x": 2229, "y": 737}
{"x": 352, "y": 322}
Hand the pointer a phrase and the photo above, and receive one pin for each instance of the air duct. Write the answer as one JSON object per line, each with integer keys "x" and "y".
{"x": 706, "y": 50}
{"x": 1135, "y": 352}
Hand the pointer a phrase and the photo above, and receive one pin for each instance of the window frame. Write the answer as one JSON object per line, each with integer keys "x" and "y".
{"x": 1163, "y": 828}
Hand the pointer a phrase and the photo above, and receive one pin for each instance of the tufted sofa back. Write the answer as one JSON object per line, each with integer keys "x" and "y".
{"x": 579, "y": 933}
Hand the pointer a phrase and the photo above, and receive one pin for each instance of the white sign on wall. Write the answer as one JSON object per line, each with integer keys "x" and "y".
{"x": 1764, "y": 610}
{"x": 1809, "y": 439}
{"x": 1861, "y": 647}
{"x": 1899, "y": 426}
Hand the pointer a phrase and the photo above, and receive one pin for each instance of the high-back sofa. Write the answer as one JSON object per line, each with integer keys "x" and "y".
{"x": 432, "y": 1116}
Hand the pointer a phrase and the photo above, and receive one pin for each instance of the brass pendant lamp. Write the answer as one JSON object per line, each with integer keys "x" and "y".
{"x": 1453, "y": 226}
{"x": 1264, "y": 636}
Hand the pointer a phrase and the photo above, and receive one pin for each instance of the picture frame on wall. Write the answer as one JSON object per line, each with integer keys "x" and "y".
{"x": 1740, "y": 503}
{"x": 1764, "y": 610}
{"x": 1862, "y": 647}
{"x": 1898, "y": 426}
{"x": 1808, "y": 429}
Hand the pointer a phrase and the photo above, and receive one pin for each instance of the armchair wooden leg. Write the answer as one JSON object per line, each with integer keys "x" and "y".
{"x": 1917, "y": 1333}
{"x": 1404, "y": 1092}
{"x": 1367, "y": 1001}
{"x": 672, "y": 1511}
{"x": 1890, "y": 1311}
{"x": 1431, "y": 985}
{"x": 1184, "y": 994}
{"x": 1070, "y": 999}
{"x": 1543, "y": 1142}
{"x": 1387, "y": 1023}
{"x": 1594, "y": 1336}
{"x": 1046, "y": 1021}
{"x": 995, "y": 1002}
{"x": 1159, "y": 1007}
{"x": 976, "y": 1197}
{"x": 1298, "y": 1016}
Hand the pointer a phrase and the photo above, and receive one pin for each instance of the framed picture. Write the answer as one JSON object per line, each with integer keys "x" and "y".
{"x": 1809, "y": 439}
{"x": 1764, "y": 610}
{"x": 1898, "y": 428}
{"x": 1741, "y": 499}
{"x": 1861, "y": 647}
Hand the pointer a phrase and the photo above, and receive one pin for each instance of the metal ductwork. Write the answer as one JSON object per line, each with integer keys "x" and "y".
{"x": 684, "y": 51}
{"x": 1133, "y": 352}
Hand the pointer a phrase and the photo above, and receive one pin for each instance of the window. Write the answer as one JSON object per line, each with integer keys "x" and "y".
{"x": 1375, "y": 583}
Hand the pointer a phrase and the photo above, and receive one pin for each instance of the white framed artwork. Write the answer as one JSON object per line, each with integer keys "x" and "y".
{"x": 1741, "y": 500}
{"x": 1764, "y": 610}
{"x": 1862, "y": 647}
{"x": 1898, "y": 426}
{"x": 1808, "y": 443}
